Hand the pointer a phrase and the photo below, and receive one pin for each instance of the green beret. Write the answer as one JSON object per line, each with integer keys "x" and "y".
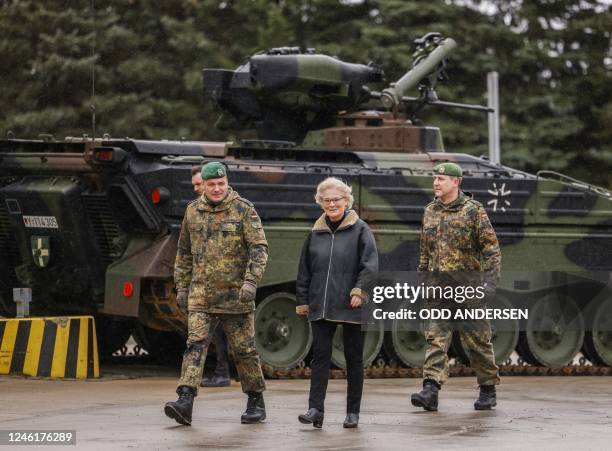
{"x": 213, "y": 170}
{"x": 452, "y": 169}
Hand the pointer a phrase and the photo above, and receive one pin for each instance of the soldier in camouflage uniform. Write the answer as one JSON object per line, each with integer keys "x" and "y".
{"x": 457, "y": 243}
{"x": 221, "y": 375}
{"x": 221, "y": 257}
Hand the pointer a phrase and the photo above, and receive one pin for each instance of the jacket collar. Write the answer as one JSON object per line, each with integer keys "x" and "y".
{"x": 204, "y": 205}
{"x": 349, "y": 220}
{"x": 464, "y": 196}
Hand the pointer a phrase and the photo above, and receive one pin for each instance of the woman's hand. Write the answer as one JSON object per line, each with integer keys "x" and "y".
{"x": 356, "y": 301}
{"x": 301, "y": 310}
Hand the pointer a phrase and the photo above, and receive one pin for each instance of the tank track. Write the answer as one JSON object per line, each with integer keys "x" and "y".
{"x": 456, "y": 370}
{"x": 382, "y": 368}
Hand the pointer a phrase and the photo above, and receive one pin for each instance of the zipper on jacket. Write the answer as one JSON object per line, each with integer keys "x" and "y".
{"x": 331, "y": 253}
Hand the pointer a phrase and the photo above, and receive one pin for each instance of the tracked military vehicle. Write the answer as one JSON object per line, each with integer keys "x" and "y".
{"x": 91, "y": 225}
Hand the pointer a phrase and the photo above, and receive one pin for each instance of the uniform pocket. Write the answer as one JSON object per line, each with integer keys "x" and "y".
{"x": 231, "y": 227}
{"x": 196, "y": 236}
{"x": 231, "y": 235}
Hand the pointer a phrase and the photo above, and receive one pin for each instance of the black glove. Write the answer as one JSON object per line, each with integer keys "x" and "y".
{"x": 181, "y": 299}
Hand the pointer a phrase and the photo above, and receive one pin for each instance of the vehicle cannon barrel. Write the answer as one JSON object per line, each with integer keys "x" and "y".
{"x": 430, "y": 54}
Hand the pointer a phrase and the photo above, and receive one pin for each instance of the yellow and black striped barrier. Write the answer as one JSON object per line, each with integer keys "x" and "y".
{"x": 49, "y": 347}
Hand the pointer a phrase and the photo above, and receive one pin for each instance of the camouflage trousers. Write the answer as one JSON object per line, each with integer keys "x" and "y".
{"x": 475, "y": 336}
{"x": 240, "y": 332}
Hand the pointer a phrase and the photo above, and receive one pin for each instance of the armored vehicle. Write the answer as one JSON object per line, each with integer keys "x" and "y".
{"x": 91, "y": 225}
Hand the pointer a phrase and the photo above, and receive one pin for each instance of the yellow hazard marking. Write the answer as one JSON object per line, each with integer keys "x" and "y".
{"x": 7, "y": 346}
{"x": 60, "y": 350}
{"x": 96, "y": 364}
{"x": 60, "y": 346}
{"x": 32, "y": 357}
{"x": 81, "y": 370}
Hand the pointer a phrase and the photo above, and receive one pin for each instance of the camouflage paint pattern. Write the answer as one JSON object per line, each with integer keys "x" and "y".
{"x": 240, "y": 332}
{"x": 219, "y": 248}
{"x": 476, "y": 338}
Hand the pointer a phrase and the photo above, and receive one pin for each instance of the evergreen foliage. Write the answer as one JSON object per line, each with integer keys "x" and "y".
{"x": 554, "y": 61}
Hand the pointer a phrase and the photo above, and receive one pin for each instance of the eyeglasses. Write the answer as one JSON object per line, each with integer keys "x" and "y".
{"x": 330, "y": 201}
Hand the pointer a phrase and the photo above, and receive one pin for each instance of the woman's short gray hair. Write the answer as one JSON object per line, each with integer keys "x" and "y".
{"x": 334, "y": 183}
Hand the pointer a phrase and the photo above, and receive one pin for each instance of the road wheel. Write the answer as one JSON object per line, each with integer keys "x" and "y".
{"x": 505, "y": 335}
{"x": 406, "y": 342}
{"x": 598, "y": 340}
{"x": 371, "y": 346}
{"x": 283, "y": 338}
{"x": 554, "y": 332}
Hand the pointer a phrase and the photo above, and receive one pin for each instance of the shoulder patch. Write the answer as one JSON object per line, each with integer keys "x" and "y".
{"x": 244, "y": 201}
{"x": 474, "y": 202}
{"x": 193, "y": 205}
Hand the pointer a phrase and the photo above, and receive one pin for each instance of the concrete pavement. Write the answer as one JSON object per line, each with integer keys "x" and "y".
{"x": 125, "y": 412}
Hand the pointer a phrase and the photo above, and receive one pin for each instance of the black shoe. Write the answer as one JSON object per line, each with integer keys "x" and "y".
{"x": 487, "y": 398}
{"x": 181, "y": 409}
{"x": 216, "y": 381}
{"x": 351, "y": 420}
{"x": 314, "y": 416}
{"x": 428, "y": 397}
{"x": 256, "y": 409}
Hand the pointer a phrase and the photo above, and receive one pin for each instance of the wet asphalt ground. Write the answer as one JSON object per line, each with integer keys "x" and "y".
{"x": 124, "y": 410}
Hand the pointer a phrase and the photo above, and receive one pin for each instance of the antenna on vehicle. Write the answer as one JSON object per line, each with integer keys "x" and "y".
{"x": 93, "y": 74}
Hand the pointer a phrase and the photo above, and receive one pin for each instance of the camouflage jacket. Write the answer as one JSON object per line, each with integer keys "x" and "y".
{"x": 219, "y": 248}
{"x": 459, "y": 238}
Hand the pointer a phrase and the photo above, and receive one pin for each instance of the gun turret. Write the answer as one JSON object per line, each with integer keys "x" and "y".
{"x": 284, "y": 93}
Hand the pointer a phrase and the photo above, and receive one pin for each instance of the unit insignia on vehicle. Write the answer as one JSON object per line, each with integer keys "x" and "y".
{"x": 499, "y": 203}
{"x": 41, "y": 250}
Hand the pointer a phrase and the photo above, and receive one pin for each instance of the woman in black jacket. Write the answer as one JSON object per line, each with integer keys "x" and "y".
{"x": 338, "y": 258}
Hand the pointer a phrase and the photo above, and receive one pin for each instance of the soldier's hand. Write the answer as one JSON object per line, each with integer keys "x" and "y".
{"x": 181, "y": 299}
{"x": 356, "y": 301}
{"x": 301, "y": 310}
{"x": 248, "y": 292}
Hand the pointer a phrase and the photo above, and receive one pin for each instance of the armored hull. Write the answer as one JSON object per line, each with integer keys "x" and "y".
{"x": 106, "y": 216}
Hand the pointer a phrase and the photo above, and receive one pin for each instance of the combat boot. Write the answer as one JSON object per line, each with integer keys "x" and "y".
{"x": 216, "y": 381}
{"x": 256, "y": 409}
{"x": 428, "y": 397}
{"x": 181, "y": 409}
{"x": 487, "y": 398}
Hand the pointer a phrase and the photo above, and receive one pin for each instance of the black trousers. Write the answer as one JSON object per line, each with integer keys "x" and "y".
{"x": 322, "y": 338}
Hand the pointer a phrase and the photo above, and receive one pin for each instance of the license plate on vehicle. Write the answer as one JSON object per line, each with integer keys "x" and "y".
{"x": 40, "y": 222}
